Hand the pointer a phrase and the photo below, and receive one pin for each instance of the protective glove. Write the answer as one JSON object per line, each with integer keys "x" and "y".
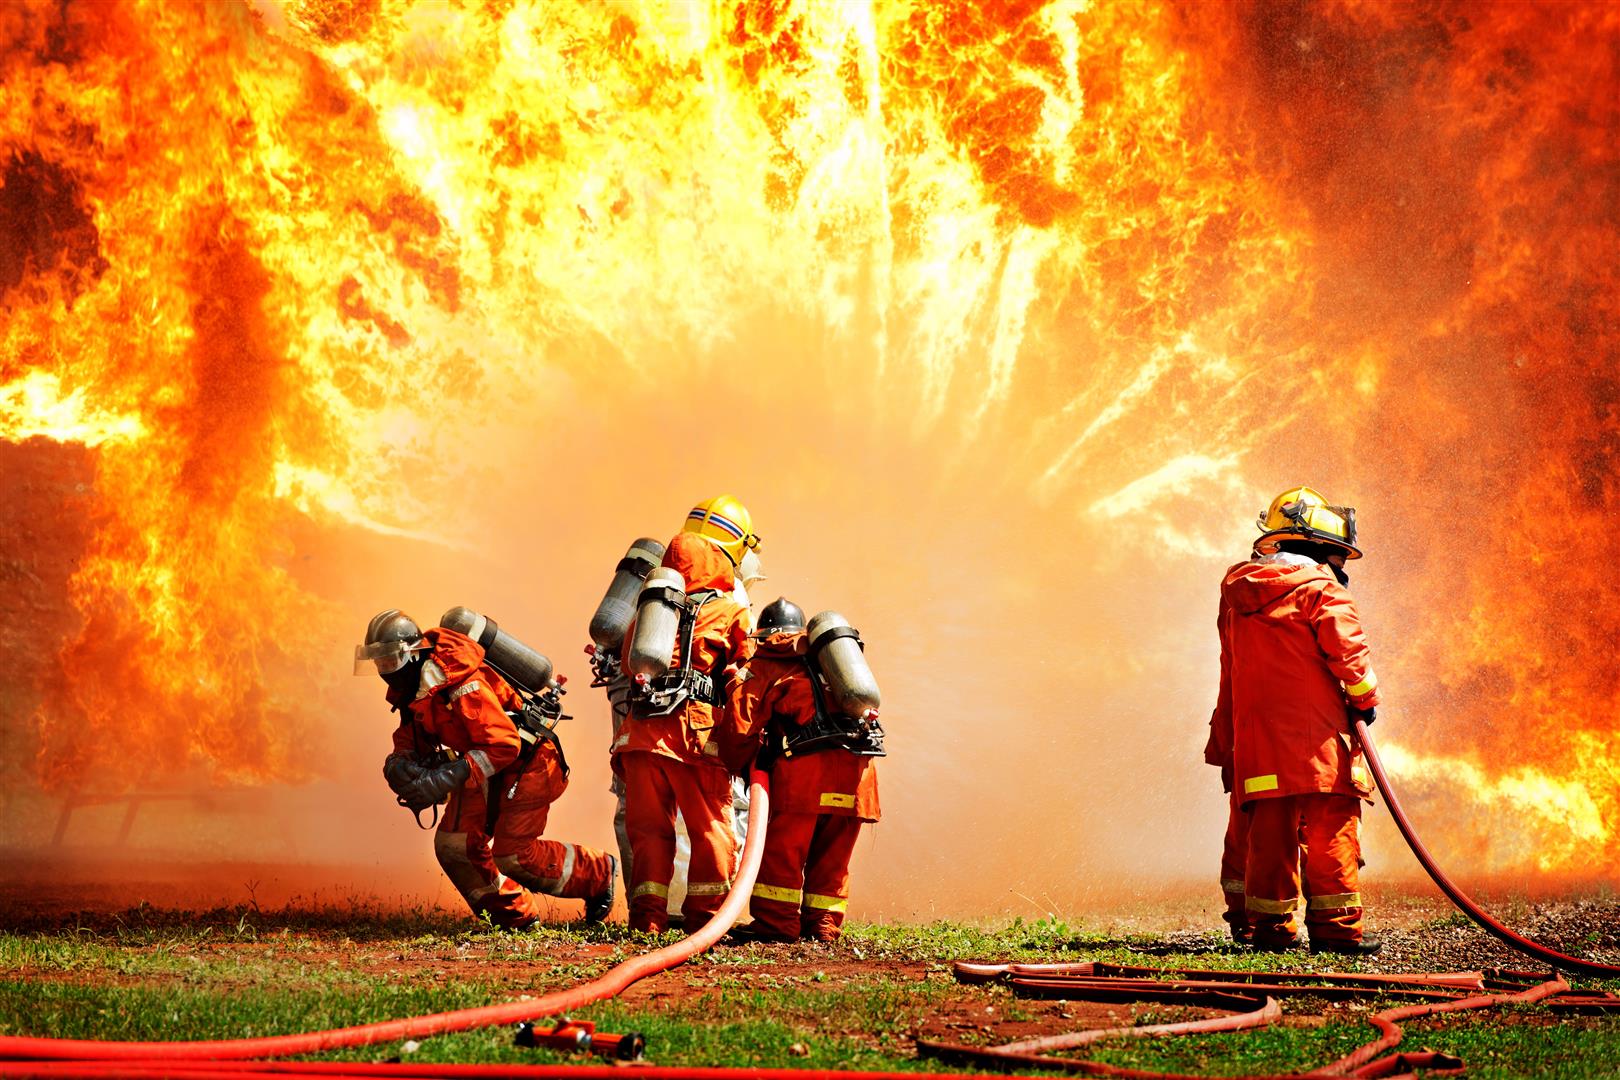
{"x": 1366, "y": 716}
{"x": 399, "y": 771}
{"x": 435, "y": 785}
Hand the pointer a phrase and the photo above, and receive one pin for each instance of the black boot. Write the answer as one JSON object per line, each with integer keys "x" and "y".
{"x": 1348, "y": 948}
{"x": 597, "y": 907}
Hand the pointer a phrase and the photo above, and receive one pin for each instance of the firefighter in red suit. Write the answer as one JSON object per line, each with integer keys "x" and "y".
{"x": 819, "y": 799}
{"x": 1294, "y": 665}
{"x": 670, "y": 759}
{"x": 500, "y": 786}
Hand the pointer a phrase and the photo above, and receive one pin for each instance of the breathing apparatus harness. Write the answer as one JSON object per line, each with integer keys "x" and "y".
{"x": 827, "y": 730}
{"x": 536, "y": 721}
{"x": 666, "y": 693}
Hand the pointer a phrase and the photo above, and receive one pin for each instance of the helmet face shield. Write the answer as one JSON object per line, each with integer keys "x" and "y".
{"x": 384, "y": 657}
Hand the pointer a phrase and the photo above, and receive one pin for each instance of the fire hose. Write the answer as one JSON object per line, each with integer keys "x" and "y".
{"x": 607, "y": 985}
{"x": 1464, "y": 903}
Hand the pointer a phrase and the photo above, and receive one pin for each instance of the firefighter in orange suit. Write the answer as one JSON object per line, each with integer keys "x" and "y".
{"x": 500, "y": 787}
{"x": 819, "y": 797}
{"x": 1294, "y": 663}
{"x": 668, "y": 758}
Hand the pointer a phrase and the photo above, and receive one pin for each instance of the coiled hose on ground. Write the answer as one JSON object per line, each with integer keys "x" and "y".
{"x": 1465, "y": 903}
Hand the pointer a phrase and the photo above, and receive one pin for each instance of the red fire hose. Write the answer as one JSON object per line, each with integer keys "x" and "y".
{"x": 1461, "y": 899}
{"x": 613, "y": 982}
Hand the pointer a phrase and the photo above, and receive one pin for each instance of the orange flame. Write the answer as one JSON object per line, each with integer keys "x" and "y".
{"x": 1140, "y": 265}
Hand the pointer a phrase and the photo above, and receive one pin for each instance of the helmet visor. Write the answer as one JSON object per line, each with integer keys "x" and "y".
{"x": 384, "y": 657}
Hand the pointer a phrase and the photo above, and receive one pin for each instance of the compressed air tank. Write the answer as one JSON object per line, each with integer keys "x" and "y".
{"x": 517, "y": 663}
{"x": 613, "y": 614}
{"x": 658, "y": 619}
{"x": 836, "y": 648}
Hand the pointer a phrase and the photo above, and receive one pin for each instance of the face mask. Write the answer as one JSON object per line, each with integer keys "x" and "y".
{"x": 408, "y": 677}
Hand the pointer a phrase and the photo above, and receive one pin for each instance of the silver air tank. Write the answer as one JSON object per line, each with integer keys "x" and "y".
{"x": 658, "y": 618}
{"x": 836, "y": 648}
{"x": 517, "y": 663}
{"x": 613, "y": 614}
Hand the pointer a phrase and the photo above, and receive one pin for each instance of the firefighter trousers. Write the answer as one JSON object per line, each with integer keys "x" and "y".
{"x": 1326, "y": 831}
{"x": 499, "y": 871}
{"x": 803, "y": 885}
{"x": 655, "y": 786}
{"x": 1234, "y": 860}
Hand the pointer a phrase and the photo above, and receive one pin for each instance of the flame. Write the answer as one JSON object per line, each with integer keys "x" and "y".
{"x": 1136, "y": 263}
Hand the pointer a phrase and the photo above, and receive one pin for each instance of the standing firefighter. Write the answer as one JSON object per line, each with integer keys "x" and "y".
{"x": 500, "y": 781}
{"x": 688, "y": 635}
{"x": 1293, "y": 663}
{"x": 819, "y": 741}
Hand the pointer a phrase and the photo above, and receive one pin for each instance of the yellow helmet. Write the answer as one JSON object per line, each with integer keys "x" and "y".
{"x": 1303, "y": 513}
{"x": 726, "y": 523}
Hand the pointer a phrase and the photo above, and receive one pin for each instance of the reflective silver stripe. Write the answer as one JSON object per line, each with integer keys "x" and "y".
{"x": 707, "y": 888}
{"x": 468, "y": 687}
{"x": 1270, "y": 907}
{"x": 1333, "y": 901}
{"x": 622, "y": 740}
{"x": 481, "y": 759}
{"x": 1232, "y": 885}
{"x": 568, "y": 865}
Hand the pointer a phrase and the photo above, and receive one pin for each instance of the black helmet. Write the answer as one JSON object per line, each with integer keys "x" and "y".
{"x": 780, "y": 616}
{"x": 392, "y": 641}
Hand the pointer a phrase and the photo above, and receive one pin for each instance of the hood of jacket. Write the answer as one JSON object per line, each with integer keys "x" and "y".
{"x": 702, "y": 564}
{"x": 454, "y": 658}
{"x": 787, "y": 645}
{"x": 1258, "y": 583}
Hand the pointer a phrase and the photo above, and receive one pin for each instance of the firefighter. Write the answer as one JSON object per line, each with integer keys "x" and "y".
{"x": 821, "y": 793}
{"x": 1294, "y": 663}
{"x": 665, "y": 752}
{"x": 500, "y": 782}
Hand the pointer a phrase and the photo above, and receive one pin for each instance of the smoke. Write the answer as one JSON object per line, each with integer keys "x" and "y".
{"x": 1003, "y": 320}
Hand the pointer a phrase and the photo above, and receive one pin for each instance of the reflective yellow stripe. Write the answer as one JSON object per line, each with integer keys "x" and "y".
{"x": 1232, "y": 885}
{"x": 833, "y": 798}
{"x": 1363, "y": 687}
{"x": 1358, "y": 775}
{"x": 772, "y": 892}
{"x": 1270, "y": 907}
{"x": 1337, "y": 900}
{"x": 650, "y": 888}
{"x": 707, "y": 888}
{"x": 1260, "y": 783}
{"x": 825, "y": 903}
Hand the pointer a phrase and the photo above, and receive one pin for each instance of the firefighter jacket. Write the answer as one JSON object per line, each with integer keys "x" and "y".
{"x": 776, "y": 694}
{"x": 1293, "y": 660}
{"x": 462, "y": 703}
{"x": 720, "y": 643}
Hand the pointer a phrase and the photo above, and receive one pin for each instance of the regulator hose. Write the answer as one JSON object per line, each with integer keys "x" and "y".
{"x": 1457, "y": 896}
{"x": 607, "y": 985}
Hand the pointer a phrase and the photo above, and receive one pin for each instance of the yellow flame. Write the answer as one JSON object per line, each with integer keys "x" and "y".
{"x": 35, "y": 406}
{"x": 1569, "y": 815}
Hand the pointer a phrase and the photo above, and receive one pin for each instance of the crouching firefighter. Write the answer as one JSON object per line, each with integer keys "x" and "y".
{"x": 807, "y": 702}
{"x": 469, "y": 739}
{"x": 688, "y": 634}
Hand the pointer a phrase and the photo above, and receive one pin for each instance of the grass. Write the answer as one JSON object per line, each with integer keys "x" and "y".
{"x": 149, "y": 974}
